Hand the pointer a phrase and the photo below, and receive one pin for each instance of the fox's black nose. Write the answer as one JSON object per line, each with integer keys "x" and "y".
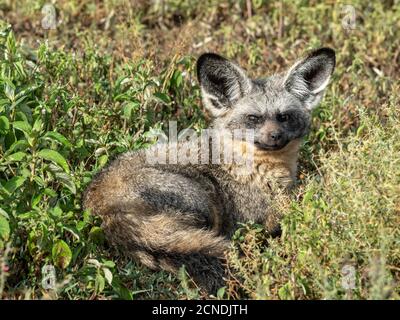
{"x": 275, "y": 136}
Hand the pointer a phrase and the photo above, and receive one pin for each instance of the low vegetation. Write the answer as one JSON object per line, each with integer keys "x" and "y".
{"x": 73, "y": 97}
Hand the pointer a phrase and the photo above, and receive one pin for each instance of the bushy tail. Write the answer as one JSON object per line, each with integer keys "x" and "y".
{"x": 163, "y": 239}
{"x": 168, "y": 240}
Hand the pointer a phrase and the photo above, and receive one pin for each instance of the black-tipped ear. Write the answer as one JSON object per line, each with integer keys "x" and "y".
{"x": 222, "y": 82}
{"x": 308, "y": 78}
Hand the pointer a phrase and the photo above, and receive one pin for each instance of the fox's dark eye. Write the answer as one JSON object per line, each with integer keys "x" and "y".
{"x": 282, "y": 117}
{"x": 253, "y": 118}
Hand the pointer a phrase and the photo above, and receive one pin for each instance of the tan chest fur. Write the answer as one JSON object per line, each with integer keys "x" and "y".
{"x": 267, "y": 169}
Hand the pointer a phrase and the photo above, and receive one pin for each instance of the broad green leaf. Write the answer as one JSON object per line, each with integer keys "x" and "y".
{"x": 94, "y": 262}
{"x": 360, "y": 130}
{"x": 36, "y": 199}
{"x": 74, "y": 231}
{"x": 100, "y": 283}
{"x": 27, "y": 215}
{"x": 52, "y": 155}
{"x": 56, "y": 212}
{"x": 4, "y": 228}
{"x": 108, "y": 275}
{"x": 102, "y": 160}
{"x": 129, "y": 108}
{"x": 4, "y": 125}
{"x": 9, "y": 91}
{"x": 100, "y": 151}
{"x": 64, "y": 178}
{"x": 19, "y": 68}
{"x": 23, "y": 126}
{"x": 284, "y": 292}
{"x": 61, "y": 254}
{"x": 123, "y": 292}
{"x": 14, "y": 183}
{"x": 221, "y": 293}
{"x": 96, "y": 234}
{"x": 39, "y": 180}
{"x": 3, "y": 103}
{"x": 177, "y": 78}
{"x": 19, "y": 100}
{"x": 17, "y": 156}
{"x": 37, "y": 126}
{"x": 50, "y": 192}
{"x": 4, "y": 213}
{"x": 162, "y": 97}
{"x": 67, "y": 181}
{"x": 58, "y": 137}
{"x": 24, "y": 114}
{"x": 80, "y": 225}
{"x": 108, "y": 263}
{"x": 17, "y": 146}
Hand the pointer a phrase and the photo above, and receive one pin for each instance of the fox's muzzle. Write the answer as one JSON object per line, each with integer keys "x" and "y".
{"x": 271, "y": 136}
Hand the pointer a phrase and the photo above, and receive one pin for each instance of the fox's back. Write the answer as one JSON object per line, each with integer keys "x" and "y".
{"x": 218, "y": 196}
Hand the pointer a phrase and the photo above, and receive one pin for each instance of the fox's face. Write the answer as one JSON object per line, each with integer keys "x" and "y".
{"x": 278, "y": 108}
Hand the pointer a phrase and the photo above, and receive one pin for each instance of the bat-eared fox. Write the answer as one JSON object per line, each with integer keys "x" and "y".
{"x": 166, "y": 215}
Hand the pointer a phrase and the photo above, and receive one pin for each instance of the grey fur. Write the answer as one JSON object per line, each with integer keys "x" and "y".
{"x": 168, "y": 215}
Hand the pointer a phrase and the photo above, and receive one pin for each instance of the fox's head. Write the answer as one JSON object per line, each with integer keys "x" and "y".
{"x": 278, "y": 108}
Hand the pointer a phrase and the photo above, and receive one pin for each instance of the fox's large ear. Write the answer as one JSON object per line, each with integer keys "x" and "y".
{"x": 308, "y": 78}
{"x": 222, "y": 83}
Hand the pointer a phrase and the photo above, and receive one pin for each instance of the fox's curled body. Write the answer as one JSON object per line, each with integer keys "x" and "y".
{"x": 169, "y": 215}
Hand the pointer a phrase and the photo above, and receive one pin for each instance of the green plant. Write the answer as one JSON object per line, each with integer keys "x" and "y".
{"x": 73, "y": 98}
